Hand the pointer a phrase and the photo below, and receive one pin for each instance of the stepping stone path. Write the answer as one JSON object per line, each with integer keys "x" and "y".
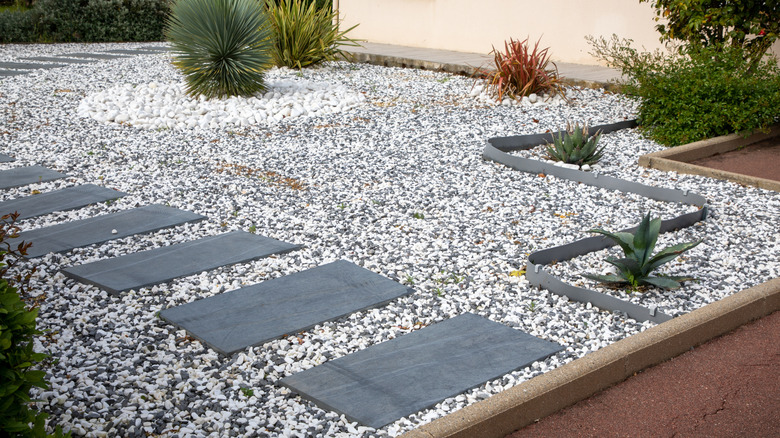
{"x": 64, "y": 60}
{"x": 58, "y": 200}
{"x": 387, "y": 381}
{"x": 75, "y": 234}
{"x": 253, "y": 315}
{"x": 28, "y": 66}
{"x": 164, "y": 264}
{"x": 6, "y": 158}
{"x": 22, "y": 176}
{"x": 92, "y": 55}
{"x": 7, "y": 73}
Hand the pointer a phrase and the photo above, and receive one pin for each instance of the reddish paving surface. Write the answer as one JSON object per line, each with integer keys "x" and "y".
{"x": 728, "y": 387}
{"x": 761, "y": 159}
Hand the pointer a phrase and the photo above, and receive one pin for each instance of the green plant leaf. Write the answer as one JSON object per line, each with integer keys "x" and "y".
{"x": 645, "y": 238}
{"x": 662, "y": 282}
{"x": 611, "y": 278}
{"x": 668, "y": 254}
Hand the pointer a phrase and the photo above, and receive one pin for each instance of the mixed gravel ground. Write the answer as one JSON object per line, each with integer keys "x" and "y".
{"x": 390, "y": 177}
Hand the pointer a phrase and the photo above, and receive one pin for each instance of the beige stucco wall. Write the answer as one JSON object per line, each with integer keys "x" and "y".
{"x": 478, "y": 25}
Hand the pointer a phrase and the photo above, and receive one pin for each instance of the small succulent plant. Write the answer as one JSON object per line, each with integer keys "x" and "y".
{"x": 575, "y": 147}
{"x": 223, "y": 47}
{"x": 635, "y": 268}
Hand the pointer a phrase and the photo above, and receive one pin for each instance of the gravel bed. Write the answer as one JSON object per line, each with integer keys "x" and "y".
{"x": 394, "y": 183}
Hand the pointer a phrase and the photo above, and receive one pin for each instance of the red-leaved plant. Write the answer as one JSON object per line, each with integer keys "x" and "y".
{"x": 522, "y": 70}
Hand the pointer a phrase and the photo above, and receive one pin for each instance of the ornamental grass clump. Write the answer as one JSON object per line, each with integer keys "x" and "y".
{"x": 522, "y": 70}
{"x": 305, "y": 34}
{"x": 221, "y": 46}
{"x": 573, "y": 146}
{"x": 635, "y": 268}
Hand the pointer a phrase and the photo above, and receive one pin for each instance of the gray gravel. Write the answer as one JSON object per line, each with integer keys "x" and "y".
{"x": 395, "y": 184}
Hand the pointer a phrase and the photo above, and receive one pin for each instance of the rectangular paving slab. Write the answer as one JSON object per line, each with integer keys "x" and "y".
{"x": 92, "y": 55}
{"x": 132, "y": 51}
{"x": 28, "y": 65}
{"x": 387, "y": 381}
{"x": 58, "y": 200}
{"x": 6, "y": 158}
{"x": 256, "y": 314}
{"x": 21, "y": 176}
{"x": 62, "y": 60}
{"x": 8, "y": 73}
{"x": 161, "y": 265}
{"x": 75, "y": 234}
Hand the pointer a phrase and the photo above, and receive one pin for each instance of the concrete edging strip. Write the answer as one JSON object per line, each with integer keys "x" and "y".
{"x": 678, "y": 158}
{"x": 548, "y": 393}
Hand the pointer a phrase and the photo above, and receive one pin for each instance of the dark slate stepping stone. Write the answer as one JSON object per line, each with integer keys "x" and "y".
{"x": 21, "y": 176}
{"x": 92, "y": 55}
{"x": 157, "y": 49}
{"x": 8, "y": 73}
{"x": 6, "y": 158}
{"x": 28, "y": 65}
{"x": 256, "y": 314}
{"x": 160, "y": 265}
{"x": 75, "y": 234}
{"x": 131, "y": 51}
{"x": 387, "y": 381}
{"x": 63, "y": 60}
{"x": 58, "y": 200}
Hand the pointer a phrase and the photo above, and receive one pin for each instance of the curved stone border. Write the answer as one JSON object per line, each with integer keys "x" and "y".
{"x": 550, "y": 392}
{"x": 496, "y": 150}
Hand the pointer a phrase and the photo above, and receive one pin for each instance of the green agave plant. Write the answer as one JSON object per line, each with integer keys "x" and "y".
{"x": 221, "y": 46}
{"x": 305, "y": 34}
{"x": 575, "y": 147}
{"x": 635, "y": 268}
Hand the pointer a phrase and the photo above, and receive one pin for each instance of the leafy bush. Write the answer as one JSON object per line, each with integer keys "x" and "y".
{"x": 221, "y": 46}
{"x": 17, "y": 26}
{"x": 17, "y": 358}
{"x": 521, "y": 70}
{"x": 305, "y": 34}
{"x": 88, "y": 21}
{"x": 752, "y": 25}
{"x": 575, "y": 147}
{"x": 699, "y": 93}
{"x": 635, "y": 268}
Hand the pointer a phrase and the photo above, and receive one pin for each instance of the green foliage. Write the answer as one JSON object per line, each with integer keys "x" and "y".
{"x": 700, "y": 93}
{"x": 635, "y": 268}
{"x": 221, "y": 46}
{"x": 575, "y": 147}
{"x": 752, "y": 25}
{"x": 305, "y": 34}
{"x": 17, "y": 358}
{"x": 521, "y": 70}
{"x": 17, "y": 26}
{"x": 100, "y": 20}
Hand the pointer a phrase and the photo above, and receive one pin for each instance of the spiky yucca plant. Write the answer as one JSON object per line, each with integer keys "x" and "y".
{"x": 521, "y": 70}
{"x": 304, "y": 34}
{"x": 635, "y": 268}
{"x": 575, "y": 147}
{"x": 221, "y": 46}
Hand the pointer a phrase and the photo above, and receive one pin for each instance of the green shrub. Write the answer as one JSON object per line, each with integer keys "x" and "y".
{"x": 752, "y": 25}
{"x": 221, "y": 46}
{"x": 521, "y": 70}
{"x": 17, "y": 358}
{"x": 17, "y": 26}
{"x": 697, "y": 93}
{"x": 305, "y": 34}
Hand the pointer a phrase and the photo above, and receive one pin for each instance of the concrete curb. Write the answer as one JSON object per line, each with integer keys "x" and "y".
{"x": 678, "y": 158}
{"x": 541, "y": 396}
{"x": 458, "y": 69}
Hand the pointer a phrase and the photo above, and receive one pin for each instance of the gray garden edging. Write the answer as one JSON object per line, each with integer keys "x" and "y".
{"x": 541, "y": 396}
{"x": 678, "y": 158}
{"x": 496, "y": 150}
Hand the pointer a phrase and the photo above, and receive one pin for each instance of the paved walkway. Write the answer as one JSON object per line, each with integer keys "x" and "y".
{"x": 727, "y": 387}
{"x": 466, "y": 63}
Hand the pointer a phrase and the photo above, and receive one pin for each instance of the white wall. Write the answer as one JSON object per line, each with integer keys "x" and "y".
{"x": 478, "y": 25}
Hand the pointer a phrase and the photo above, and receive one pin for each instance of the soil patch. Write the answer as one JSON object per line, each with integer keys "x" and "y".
{"x": 760, "y": 159}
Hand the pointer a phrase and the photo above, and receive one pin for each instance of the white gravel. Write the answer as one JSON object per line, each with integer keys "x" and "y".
{"x": 393, "y": 181}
